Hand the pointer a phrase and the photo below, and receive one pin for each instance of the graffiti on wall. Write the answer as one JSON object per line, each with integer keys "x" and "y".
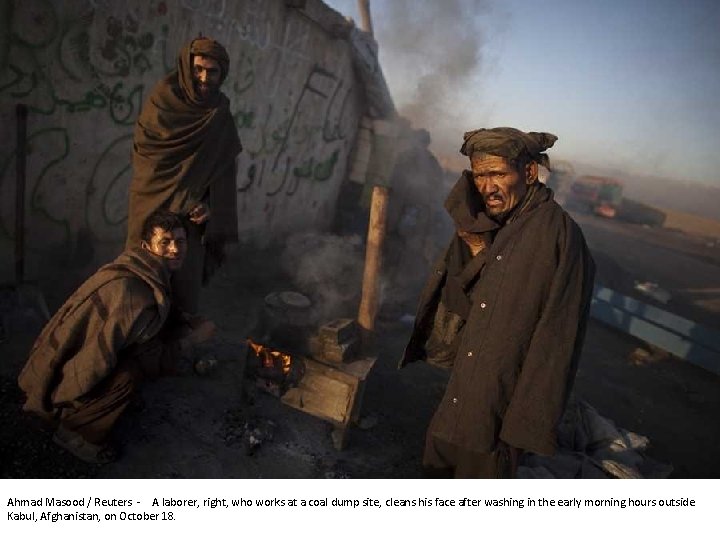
{"x": 277, "y": 134}
{"x": 77, "y": 94}
{"x": 26, "y": 74}
{"x": 250, "y": 23}
{"x": 107, "y": 190}
{"x": 84, "y": 69}
{"x": 46, "y": 148}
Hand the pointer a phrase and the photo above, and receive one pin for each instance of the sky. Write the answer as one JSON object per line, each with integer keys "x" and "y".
{"x": 625, "y": 84}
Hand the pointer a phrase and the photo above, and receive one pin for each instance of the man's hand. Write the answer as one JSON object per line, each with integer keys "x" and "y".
{"x": 508, "y": 459}
{"x": 201, "y": 333}
{"x": 200, "y": 214}
{"x": 198, "y": 330}
{"x": 514, "y": 454}
{"x": 474, "y": 241}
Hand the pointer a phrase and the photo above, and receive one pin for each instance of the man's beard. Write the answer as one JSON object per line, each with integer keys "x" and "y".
{"x": 206, "y": 92}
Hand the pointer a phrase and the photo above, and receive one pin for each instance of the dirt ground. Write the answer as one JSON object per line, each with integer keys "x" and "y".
{"x": 208, "y": 427}
{"x": 686, "y": 266}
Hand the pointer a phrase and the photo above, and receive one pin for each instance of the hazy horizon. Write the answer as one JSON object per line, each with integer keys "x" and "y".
{"x": 626, "y": 85}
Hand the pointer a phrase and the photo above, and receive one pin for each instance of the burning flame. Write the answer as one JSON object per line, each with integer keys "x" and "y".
{"x": 270, "y": 357}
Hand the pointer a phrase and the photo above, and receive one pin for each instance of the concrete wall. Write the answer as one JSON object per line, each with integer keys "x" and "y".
{"x": 84, "y": 67}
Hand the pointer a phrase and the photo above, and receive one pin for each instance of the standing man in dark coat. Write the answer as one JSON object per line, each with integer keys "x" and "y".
{"x": 185, "y": 145}
{"x": 505, "y": 308}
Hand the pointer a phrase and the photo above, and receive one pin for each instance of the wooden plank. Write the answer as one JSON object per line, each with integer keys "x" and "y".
{"x": 325, "y": 392}
{"x": 360, "y": 368}
{"x": 319, "y": 396}
{"x": 695, "y": 332}
{"x": 333, "y": 393}
{"x": 664, "y": 338}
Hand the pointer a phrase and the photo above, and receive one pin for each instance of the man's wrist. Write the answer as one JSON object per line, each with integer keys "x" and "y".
{"x": 185, "y": 346}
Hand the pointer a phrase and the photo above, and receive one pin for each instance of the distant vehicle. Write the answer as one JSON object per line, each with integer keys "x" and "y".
{"x": 559, "y": 180}
{"x": 597, "y": 194}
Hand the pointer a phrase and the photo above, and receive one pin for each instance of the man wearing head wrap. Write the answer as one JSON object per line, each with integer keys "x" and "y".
{"x": 184, "y": 151}
{"x": 112, "y": 333}
{"x": 505, "y": 309}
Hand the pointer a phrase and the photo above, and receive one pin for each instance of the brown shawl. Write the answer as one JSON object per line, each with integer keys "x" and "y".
{"x": 125, "y": 302}
{"x": 467, "y": 212}
{"x": 184, "y": 151}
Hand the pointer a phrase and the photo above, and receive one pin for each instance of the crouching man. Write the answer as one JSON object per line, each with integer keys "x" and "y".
{"x": 117, "y": 329}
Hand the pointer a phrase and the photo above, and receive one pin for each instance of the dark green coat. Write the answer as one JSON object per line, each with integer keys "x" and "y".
{"x": 519, "y": 349}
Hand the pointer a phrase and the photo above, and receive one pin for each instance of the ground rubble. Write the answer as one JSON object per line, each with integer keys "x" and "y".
{"x": 592, "y": 446}
{"x": 203, "y": 426}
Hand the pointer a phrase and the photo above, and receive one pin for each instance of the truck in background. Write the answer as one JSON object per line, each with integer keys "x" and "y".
{"x": 603, "y": 196}
{"x": 600, "y": 195}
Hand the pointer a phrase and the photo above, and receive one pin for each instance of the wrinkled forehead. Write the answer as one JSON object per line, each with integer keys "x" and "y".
{"x": 483, "y": 160}
{"x": 206, "y": 62}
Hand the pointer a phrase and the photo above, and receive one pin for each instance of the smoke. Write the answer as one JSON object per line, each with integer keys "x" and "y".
{"x": 432, "y": 53}
{"x": 328, "y": 269}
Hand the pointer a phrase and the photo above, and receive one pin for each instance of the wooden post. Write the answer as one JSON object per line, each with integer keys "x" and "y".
{"x": 365, "y": 19}
{"x": 21, "y": 113}
{"x": 369, "y": 303}
{"x": 373, "y": 260}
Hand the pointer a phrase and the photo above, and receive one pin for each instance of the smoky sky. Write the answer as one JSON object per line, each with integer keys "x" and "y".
{"x": 432, "y": 51}
{"x": 637, "y": 79}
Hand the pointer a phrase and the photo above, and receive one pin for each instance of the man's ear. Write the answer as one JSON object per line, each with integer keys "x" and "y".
{"x": 144, "y": 245}
{"x": 531, "y": 172}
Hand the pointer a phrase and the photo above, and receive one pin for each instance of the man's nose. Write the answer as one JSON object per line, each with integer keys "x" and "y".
{"x": 173, "y": 248}
{"x": 488, "y": 187}
{"x": 202, "y": 76}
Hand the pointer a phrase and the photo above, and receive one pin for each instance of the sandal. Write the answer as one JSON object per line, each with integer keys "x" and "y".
{"x": 80, "y": 448}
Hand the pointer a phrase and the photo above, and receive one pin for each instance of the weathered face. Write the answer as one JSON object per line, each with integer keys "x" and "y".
{"x": 501, "y": 184}
{"x": 206, "y": 75}
{"x": 170, "y": 245}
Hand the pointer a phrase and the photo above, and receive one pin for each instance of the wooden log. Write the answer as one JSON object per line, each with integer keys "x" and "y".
{"x": 373, "y": 259}
{"x": 365, "y": 17}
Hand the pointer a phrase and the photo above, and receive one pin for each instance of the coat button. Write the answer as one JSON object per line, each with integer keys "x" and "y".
{"x": 483, "y": 305}
{"x": 499, "y": 257}
{"x": 470, "y": 353}
{"x": 454, "y": 400}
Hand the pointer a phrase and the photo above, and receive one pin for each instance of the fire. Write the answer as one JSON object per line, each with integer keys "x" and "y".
{"x": 270, "y": 357}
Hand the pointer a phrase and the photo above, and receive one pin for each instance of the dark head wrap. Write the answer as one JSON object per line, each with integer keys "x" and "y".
{"x": 509, "y": 143}
{"x": 200, "y": 47}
